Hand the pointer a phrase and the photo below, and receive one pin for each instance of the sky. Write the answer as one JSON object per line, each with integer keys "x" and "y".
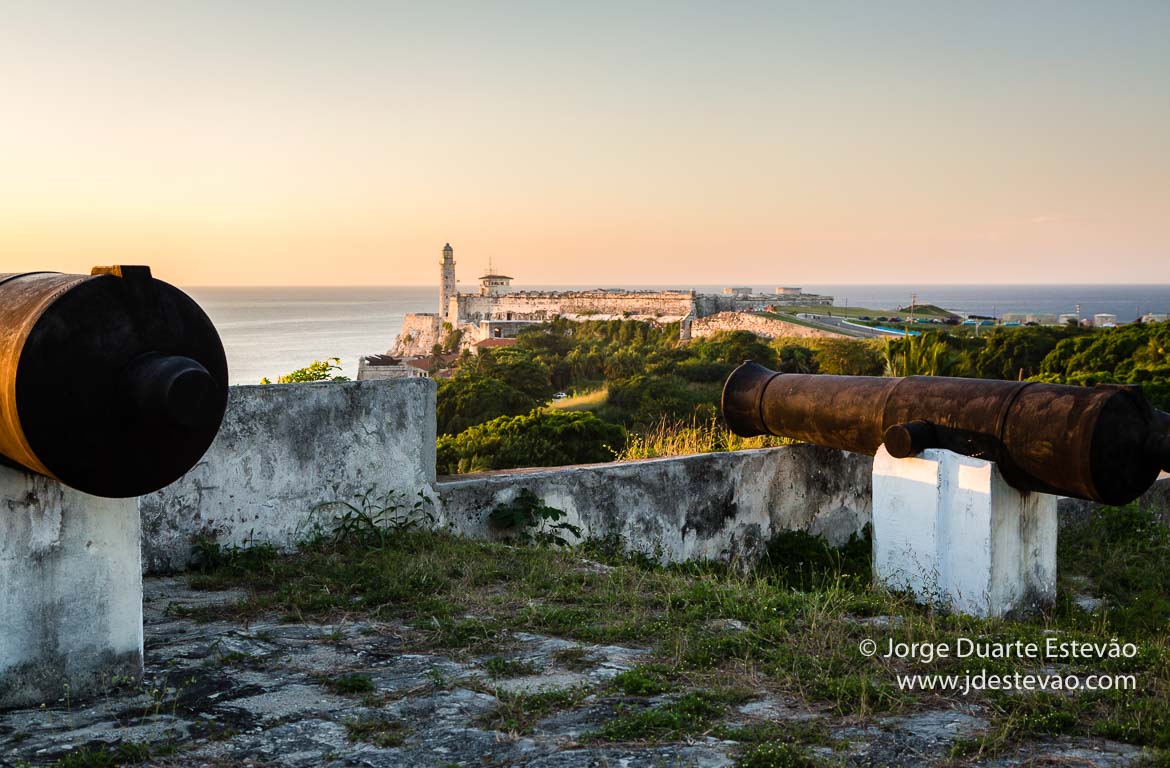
{"x": 287, "y": 142}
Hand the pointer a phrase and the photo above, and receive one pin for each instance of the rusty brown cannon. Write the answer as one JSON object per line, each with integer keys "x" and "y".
{"x": 1103, "y": 443}
{"x": 114, "y": 383}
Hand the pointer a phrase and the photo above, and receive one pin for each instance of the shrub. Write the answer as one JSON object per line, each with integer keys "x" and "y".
{"x": 538, "y": 439}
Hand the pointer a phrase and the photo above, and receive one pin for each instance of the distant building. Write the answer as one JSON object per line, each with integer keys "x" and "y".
{"x": 1067, "y": 318}
{"x": 1155, "y": 317}
{"x": 492, "y": 284}
{"x": 379, "y": 367}
{"x": 499, "y": 312}
{"x": 1031, "y": 318}
{"x": 1105, "y": 320}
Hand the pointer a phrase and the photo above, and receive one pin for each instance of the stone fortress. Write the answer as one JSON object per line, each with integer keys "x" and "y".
{"x": 497, "y": 311}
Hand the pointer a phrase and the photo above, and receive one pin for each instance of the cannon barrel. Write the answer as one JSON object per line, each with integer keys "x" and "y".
{"x": 1103, "y": 443}
{"x": 114, "y": 383}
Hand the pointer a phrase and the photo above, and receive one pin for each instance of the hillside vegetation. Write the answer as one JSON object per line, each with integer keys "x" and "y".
{"x": 635, "y": 391}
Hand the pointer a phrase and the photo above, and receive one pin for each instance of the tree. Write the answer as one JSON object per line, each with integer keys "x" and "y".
{"x": 848, "y": 357}
{"x": 1128, "y": 354}
{"x": 464, "y": 401}
{"x": 537, "y": 439}
{"x": 1015, "y": 353}
{"x": 315, "y": 371}
{"x": 734, "y": 347}
{"x": 513, "y": 367}
{"x": 794, "y": 358}
{"x": 452, "y": 339}
{"x": 647, "y": 400}
{"x": 925, "y": 355}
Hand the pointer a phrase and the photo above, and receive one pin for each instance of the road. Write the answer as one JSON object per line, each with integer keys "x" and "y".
{"x": 837, "y": 325}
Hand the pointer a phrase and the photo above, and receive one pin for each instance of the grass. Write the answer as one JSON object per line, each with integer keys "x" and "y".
{"x": 586, "y": 401}
{"x": 376, "y": 731}
{"x": 690, "y": 716}
{"x": 110, "y": 756}
{"x": 349, "y": 684}
{"x": 643, "y": 681}
{"x": 791, "y": 627}
{"x": 498, "y": 666}
{"x": 575, "y": 659}
{"x": 785, "y": 317}
{"x": 683, "y": 438}
{"x": 921, "y": 310}
{"x": 518, "y": 712}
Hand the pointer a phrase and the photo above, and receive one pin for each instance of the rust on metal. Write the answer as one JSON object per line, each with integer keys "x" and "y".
{"x": 114, "y": 383}
{"x": 1104, "y": 443}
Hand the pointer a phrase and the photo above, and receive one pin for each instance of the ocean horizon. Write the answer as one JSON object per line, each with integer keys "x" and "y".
{"x": 269, "y": 331}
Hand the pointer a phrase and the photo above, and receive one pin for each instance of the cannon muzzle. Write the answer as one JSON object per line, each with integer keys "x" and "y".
{"x": 1103, "y": 443}
{"x": 114, "y": 383}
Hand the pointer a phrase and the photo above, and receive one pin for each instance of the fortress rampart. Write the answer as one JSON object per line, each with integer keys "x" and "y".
{"x": 541, "y": 306}
{"x": 767, "y": 327}
{"x": 498, "y": 311}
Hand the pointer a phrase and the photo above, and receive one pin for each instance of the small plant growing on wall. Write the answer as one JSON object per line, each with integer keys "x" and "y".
{"x": 315, "y": 371}
{"x": 371, "y": 518}
{"x": 528, "y": 519}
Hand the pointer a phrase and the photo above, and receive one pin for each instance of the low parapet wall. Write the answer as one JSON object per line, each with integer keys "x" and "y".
{"x": 284, "y": 449}
{"x": 723, "y": 506}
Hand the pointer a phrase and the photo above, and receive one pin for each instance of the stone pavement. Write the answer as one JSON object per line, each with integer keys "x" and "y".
{"x": 273, "y": 693}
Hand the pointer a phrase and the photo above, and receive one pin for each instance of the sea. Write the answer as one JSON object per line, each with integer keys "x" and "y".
{"x": 268, "y": 332}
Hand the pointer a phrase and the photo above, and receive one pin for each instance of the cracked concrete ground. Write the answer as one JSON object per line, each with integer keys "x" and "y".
{"x": 272, "y": 693}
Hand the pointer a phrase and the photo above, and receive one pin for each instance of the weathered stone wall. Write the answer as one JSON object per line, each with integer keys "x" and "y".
{"x": 544, "y": 305}
{"x": 70, "y": 591}
{"x": 708, "y": 506}
{"x": 767, "y": 327}
{"x": 419, "y": 334}
{"x": 282, "y": 450}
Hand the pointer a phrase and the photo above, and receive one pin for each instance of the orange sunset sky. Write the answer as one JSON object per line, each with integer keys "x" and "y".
{"x": 342, "y": 143}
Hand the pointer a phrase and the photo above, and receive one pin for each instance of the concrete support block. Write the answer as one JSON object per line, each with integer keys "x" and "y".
{"x": 70, "y": 591}
{"x": 949, "y": 529}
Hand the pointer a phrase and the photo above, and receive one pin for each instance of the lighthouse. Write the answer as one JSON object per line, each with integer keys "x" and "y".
{"x": 446, "y": 282}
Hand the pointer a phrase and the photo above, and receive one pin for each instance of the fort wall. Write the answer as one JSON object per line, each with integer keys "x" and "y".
{"x": 767, "y": 327}
{"x": 420, "y": 333}
{"x": 545, "y": 305}
{"x": 479, "y": 317}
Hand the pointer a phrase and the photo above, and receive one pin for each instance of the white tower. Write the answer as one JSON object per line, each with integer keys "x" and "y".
{"x": 446, "y": 283}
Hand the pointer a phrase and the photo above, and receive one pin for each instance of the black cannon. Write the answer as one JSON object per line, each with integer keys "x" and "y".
{"x": 1103, "y": 443}
{"x": 113, "y": 383}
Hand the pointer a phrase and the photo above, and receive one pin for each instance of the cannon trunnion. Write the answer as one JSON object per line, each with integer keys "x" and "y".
{"x": 1103, "y": 443}
{"x": 114, "y": 383}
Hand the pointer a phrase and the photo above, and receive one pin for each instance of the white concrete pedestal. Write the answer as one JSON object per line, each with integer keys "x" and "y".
{"x": 70, "y": 591}
{"x": 949, "y": 529}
